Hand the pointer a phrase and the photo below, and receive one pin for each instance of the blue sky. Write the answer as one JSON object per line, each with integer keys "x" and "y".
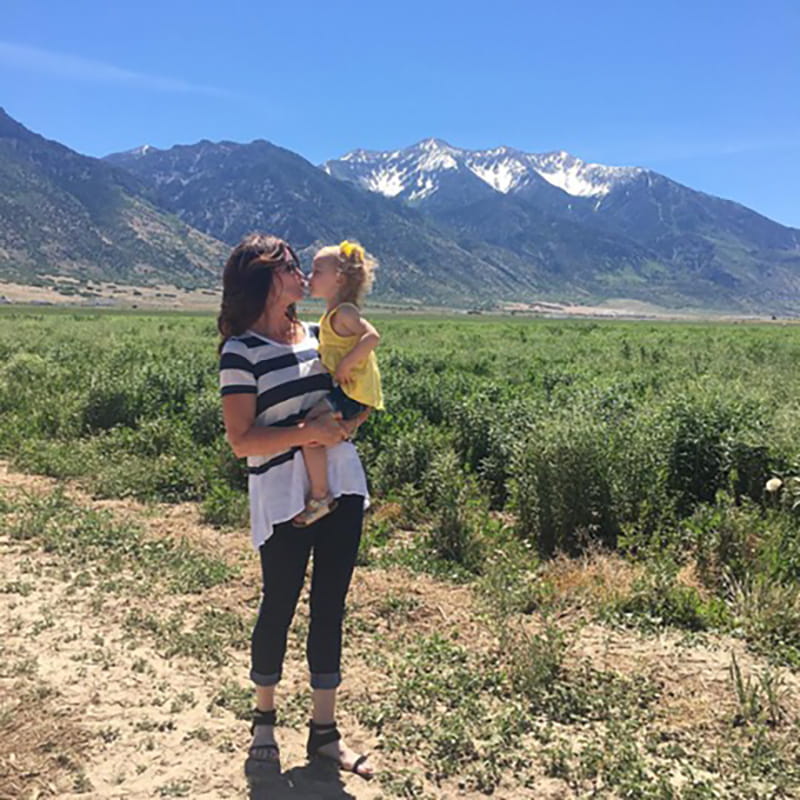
{"x": 705, "y": 92}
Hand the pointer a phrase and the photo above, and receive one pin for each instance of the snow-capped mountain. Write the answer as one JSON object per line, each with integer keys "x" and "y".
{"x": 232, "y": 189}
{"x": 489, "y": 223}
{"x": 528, "y": 202}
{"x": 579, "y": 178}
{"x": 418, "y": 173}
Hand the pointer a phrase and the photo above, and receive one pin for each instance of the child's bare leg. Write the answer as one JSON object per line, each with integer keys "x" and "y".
{"x": 319, "y": 503}
{"x": 317, "y": 467}
{"x": 317, "y": 460}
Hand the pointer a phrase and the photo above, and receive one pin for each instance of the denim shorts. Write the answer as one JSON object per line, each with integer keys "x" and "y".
{"x": 345, "y": 405}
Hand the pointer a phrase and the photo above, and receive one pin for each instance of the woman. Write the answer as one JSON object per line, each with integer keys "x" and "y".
{"x": 270, "y": 376}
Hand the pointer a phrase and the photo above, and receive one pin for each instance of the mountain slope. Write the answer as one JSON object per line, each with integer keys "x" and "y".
{"x": 62, "y": 213}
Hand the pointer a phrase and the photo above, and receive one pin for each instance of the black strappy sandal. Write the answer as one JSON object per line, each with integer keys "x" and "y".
{"x": 264, "y": 753}
{"x": 320, "y": 735}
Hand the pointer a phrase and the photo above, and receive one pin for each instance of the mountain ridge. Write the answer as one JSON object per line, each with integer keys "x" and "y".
{"x": 449, "y": 226}
{"x": 228, "y": 189}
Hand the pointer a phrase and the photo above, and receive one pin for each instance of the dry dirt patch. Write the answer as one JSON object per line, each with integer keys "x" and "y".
{"x": 129, "y": 721}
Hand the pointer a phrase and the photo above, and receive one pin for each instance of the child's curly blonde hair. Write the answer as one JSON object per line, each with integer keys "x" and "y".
{"x": 357, "y": 267}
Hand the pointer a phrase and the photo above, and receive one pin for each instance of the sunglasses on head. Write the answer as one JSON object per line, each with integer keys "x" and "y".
{"x": 282, "y": 257}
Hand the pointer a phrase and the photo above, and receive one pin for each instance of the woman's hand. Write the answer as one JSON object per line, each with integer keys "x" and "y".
{"x": 352, "y": 425}
{"x": 326, "y": 430}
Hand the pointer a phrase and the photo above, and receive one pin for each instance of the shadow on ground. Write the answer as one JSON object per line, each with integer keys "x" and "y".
{"x": 318, "y": 780}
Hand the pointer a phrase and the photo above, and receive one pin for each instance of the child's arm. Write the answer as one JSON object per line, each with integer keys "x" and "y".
{"x": 349, "y": 322}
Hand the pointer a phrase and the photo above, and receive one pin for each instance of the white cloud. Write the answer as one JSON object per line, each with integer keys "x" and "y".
{"x": 64, "y": 66}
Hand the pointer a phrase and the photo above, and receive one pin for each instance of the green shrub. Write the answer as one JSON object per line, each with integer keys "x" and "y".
{"x": 225, "y": 507}
{"x": 204, "y": 415}
{"x": 637, "y": 452}
{"x": 226, "y": 466}
{"x": 405, "y": 459}
{"x": 510, "y": 582}
{"x": 458, "y": 512}
{"x": 710, "y": 446}
{"x": 486, "y": 433}
{"x": 561, "y": 488}
{"x": 108, "y": 404}
{"x": 769, "y": 614}
{"x": 732, "y": 541}
{"x": 23, "y": 371}
{"x": 165, "y": 478}
{"x": 536, "y": 663}
{"x": 57, "y": 458}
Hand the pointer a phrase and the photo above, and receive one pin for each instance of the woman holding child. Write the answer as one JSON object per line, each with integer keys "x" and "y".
{"x": 271, "y": 377}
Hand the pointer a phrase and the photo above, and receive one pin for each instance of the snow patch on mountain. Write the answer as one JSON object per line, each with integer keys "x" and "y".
{"x": 503, "y": 176}
{"x": 142, "y": 150}
{"x": 425, "y": 186}
{"x": 580, "y": 179}
{"x": 388, "y": 182}
{"x": 413, "y": 172}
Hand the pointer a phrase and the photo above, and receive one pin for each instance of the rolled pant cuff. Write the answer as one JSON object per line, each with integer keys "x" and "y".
{"x": 325, "y": 680}
{"x": 264, "y": 680}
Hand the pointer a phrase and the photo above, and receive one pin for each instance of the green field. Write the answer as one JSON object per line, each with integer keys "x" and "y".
{"x": 506, "y": 444}
{"x": 653, "y": 439}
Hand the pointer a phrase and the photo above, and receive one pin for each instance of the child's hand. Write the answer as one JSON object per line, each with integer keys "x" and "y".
{"x": 344, "y": 372}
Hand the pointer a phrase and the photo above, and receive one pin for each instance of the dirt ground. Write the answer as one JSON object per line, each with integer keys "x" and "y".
{"x": 65, "y": 291}
{"x": 90, "y": 710}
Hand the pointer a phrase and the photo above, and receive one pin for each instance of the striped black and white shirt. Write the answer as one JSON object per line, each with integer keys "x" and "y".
{"x": 287, "y": 380}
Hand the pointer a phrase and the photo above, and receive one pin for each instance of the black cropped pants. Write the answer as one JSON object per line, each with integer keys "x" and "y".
{"x": 334, "y": 541}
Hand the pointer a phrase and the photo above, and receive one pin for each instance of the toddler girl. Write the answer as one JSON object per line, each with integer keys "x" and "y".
{"x": 341, "y": 276}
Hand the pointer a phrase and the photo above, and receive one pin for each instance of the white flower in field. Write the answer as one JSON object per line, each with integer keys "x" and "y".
{"x": 773, "y": 484}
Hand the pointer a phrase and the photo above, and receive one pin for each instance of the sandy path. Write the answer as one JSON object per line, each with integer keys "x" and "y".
{"x": 153, "y": 728}
{"x": 152, "y": 725}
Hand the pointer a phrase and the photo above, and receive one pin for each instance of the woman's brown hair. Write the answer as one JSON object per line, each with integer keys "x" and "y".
{"x": 247, "y": 280}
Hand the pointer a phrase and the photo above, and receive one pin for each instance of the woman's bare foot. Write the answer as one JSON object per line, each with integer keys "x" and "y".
{"x": 348, "y": 760}
{"x": 264, "y": 748}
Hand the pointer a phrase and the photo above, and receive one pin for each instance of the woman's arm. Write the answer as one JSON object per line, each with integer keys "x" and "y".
{"x": 248, "y": 439}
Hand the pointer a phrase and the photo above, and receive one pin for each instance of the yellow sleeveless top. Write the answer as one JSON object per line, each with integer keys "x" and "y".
{"x": 366, "y": 385}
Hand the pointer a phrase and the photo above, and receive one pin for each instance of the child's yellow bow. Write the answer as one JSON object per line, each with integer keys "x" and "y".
{"x": 348, "y": 249}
